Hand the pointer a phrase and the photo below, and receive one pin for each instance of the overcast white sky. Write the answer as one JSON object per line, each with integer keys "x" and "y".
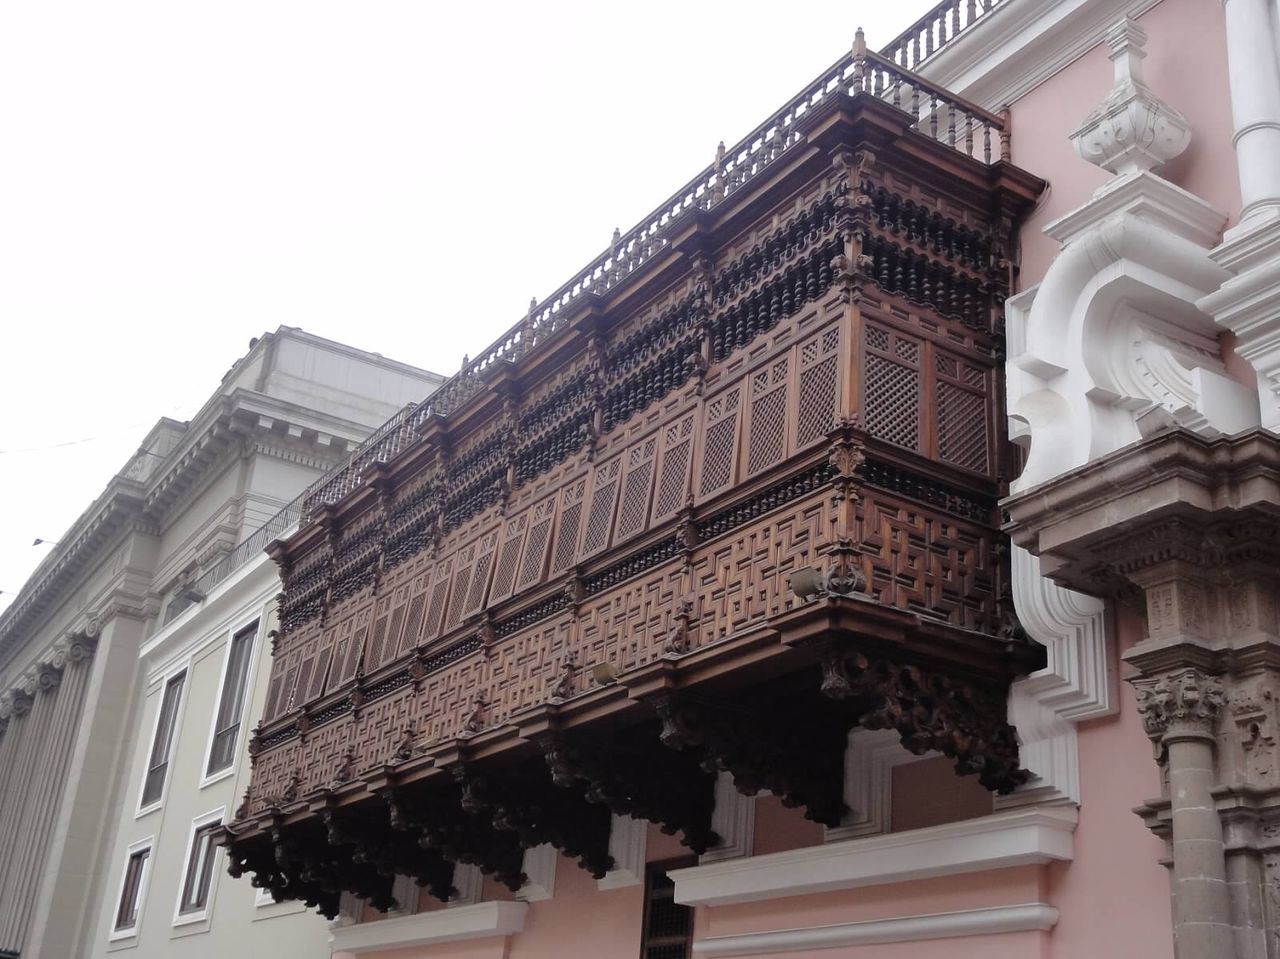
{"x": 177, "y": 177}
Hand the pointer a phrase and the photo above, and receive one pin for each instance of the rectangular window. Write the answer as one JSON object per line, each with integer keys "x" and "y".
{"x": 198, "y": 875}
{"x": 158, "y": 764}
{"x": 226, "y": 726}
{"x": 131, "y": 890}
{"x": 668, "y": 926}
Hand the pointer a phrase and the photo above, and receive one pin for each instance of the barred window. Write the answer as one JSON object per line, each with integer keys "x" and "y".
{"x": 668, "y": 926}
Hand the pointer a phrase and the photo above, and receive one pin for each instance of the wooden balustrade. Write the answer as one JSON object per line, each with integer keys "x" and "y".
{"x": 936, "y": 29}
{"x": 613, "y": 505}
{"x": 938, "y": 114}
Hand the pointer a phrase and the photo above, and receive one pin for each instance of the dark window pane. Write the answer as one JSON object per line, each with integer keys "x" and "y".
{"x": 227, "y": 723}
{"x": 199, "y": 871}
{"x": 127, "y": 912}
{"x": 160, "y": 746}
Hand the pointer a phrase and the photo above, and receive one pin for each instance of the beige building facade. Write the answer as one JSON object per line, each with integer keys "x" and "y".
{"x": 149, "y": 578}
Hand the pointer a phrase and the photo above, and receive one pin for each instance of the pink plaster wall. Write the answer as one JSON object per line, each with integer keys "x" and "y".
{"x": 1114, "y": 898}
{"x": 1186, "y": 67}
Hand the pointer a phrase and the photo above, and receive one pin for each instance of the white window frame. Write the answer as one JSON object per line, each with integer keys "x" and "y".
{"x": 181, "y": 918}
{"x": 114, "y": 934}
{"x": 206, "y": 778}
{"x": 148, "y": 744}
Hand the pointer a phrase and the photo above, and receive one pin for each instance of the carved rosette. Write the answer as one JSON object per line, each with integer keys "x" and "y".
{"x": 1187, "y": 702}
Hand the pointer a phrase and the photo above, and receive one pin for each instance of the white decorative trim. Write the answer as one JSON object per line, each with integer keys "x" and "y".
{"x": 1077, "y": 682}
{"x": 1088, "y": 346}
{"x": 540, "y": 870}
{"x": 198, "y": 915}
{"x": 1248, "y": 305}
{"x": 350, "y": 911}
{"x": 1023, "y": 837}
{"x": 428, "y": 928}
{"x": 1132, "y": 129}
{"x": 993, "y": 920}
{"x": 406, "y": 892}
{"x": 183, "y": 668}
{"x": 627, "y": 837}
{"x": 869, "y": 760}
{"x": 130, "y": 932}
{"x": 734, "y": 820}
{"x": 1018, "y": 46}
{"x": 242, "y": 621}
{"x": 468, "y": 883}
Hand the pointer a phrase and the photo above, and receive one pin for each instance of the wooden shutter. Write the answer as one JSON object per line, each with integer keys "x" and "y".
{"x": 504, "y": 573}
{"x": 891, "y": 387}
{"x": 354, "y": 653}
{"x": 571, "y": 500}
{"x": 320, "y": 671}
{"x": 674, "y": 460}
{"x": 720, "y": 442}
{"x": 533, "y": 562}
{"x": 480, "y": 573}
{"x": 637, "y": 489}
{"x": 604, "y": 498}
{"x": 436, "y": 599}
{"x": 767, "y": 443}
{"x": 465, "y": 562}
{"x": 415, "y": 615}
{"x": 819, "y": 386}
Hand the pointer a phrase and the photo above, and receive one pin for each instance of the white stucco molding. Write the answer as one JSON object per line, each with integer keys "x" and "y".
{"x": 1248, "y": 304}
{"x": 1114, "y": 331}
{"x": 1132, "y": 129}
{"x": 1020, "y": 45}
{"x": 733, "y": 819}
{"x": 869, "y": 760}
{"x": 540, "y": 873}
{"x": 1077, "y": 682}
{"x": 1032, "y": 836}
{"x": 993, "y": 920}
{"x": 430, "y": 928}
{"x": 627, "y": 838}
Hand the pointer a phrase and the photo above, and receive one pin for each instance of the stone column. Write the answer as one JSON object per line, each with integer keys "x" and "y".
{"x": 1180, "y": 712}
{"x": 1255, "y": 106}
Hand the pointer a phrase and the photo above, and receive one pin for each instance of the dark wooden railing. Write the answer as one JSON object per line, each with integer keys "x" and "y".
{"x": 941, "y": 115}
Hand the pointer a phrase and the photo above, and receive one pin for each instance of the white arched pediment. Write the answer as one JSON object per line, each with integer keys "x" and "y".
{"x": 1113, "y": 330}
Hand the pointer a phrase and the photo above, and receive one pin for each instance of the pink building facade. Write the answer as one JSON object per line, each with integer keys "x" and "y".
{"x": 1143, "y": 373}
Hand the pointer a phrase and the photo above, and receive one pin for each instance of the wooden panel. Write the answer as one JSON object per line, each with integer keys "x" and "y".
{"x": 604, "y": 498}
{"x": 891, "y": 390}
{"x": 768, "y": 412}
{"x": 569, "y": 525}
{"x": 436, "y": 599}
{"x": 637, "y": 489}
{"x": 504, "y": 573}
{"x": 818, "y": 387}
{"x": 674, "y": 461}
{"x": 720, "y": 442}
{"x": 533, "y": 561}
{"x": 481, "y": 573}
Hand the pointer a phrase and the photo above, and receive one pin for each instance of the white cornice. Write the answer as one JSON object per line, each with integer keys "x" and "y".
{"x": 1022, "y": 44}
{"x": 482, "y": 920}
{"x": 993, "y": 920}
{"x": 1023, "y": 837}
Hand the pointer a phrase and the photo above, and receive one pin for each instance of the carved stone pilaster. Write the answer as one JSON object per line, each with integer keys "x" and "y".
{"x": 1187, "y": 702}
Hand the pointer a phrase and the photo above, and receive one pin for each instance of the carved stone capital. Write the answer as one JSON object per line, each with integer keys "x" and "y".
{"x": 1187, "y": 701}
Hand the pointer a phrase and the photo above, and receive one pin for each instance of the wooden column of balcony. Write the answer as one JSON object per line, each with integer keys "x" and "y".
{"x": 728, "y": 494}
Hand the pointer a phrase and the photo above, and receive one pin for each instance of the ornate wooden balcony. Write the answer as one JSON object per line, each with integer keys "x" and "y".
{"x": 729, "y": 493}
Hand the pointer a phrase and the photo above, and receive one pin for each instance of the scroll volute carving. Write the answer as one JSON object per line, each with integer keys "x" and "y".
{"x": 931, "y": 711}
{"x": 635, "y": 775}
